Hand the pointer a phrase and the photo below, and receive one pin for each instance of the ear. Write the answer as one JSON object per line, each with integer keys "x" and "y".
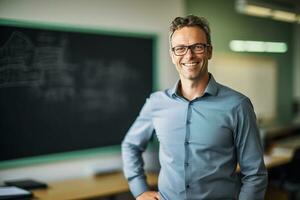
{"x": 172, "y": 56}
{"x": 209, "y": 52}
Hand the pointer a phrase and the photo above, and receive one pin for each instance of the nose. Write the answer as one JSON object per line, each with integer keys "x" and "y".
{"x": 189, "y": 53}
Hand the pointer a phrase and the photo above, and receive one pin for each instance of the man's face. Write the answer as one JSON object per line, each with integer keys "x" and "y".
{"x": 190, "y": 66}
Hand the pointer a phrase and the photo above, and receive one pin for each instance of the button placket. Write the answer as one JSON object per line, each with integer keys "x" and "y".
{"x": 187, "y": 146}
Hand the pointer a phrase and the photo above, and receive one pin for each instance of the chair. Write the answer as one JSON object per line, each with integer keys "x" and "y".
{"x": 287, "y": 177}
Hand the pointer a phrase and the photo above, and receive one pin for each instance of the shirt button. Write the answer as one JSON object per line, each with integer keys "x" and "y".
{"x": 186, "y": 164}
{"x": 186, "y": 142}
{"x": 187, "y": 186}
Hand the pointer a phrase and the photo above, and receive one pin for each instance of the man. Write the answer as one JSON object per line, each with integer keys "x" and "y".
{"x": 204, "y": 130}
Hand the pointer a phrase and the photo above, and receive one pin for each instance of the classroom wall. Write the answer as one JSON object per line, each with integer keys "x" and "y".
{"x": 154, "y": 17}
{"x": 227, "y": 24}
{"x": 141, "y": 16}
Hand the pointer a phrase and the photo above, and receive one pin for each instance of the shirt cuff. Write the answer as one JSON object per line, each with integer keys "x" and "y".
{"x": 138, "y": 185}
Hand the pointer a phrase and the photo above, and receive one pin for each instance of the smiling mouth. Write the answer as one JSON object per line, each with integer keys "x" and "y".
{"x": 190, "y": 64}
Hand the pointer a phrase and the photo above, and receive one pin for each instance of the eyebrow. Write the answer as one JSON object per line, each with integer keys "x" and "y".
{"x": 189, "y": 45}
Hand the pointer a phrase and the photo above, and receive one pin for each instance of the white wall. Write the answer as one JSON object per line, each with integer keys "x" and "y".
{"x": 153, "y": 16}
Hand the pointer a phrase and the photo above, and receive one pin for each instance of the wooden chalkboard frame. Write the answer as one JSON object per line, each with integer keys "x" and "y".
{"x": 84, "y": 30}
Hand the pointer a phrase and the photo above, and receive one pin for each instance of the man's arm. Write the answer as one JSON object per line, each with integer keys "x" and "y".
{"x": 250, "y": 154}
{"x": 133, "y": 145}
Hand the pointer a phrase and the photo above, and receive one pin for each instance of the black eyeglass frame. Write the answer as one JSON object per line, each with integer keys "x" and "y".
{"x": 191, "y": 47}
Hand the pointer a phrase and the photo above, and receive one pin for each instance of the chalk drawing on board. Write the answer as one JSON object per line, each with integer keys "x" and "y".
{"x": 43, "y": 67}
{"x": 40, "y": 66}
{"x": 15, "y": 56}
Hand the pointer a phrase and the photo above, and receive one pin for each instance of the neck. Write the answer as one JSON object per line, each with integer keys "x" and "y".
{"x": 191, "y": 89}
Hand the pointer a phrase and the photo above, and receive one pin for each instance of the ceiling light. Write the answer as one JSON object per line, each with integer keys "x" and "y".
{"x": 257, "y": 46}
{"x": 273, "y": 10}
{"x": 276, "y": 47}
{"x": 284, "y": 16}
{"x": 258, "y": 11}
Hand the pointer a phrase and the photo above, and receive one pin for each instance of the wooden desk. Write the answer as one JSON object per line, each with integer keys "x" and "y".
{"x": 115, "y": 183}
{"x": 111, "y": 184}
{"x": 282, "y": 152}
{"x": 89, "y": 187}
{"x": 276, "y": 160}
{"x": 273, "y": 160}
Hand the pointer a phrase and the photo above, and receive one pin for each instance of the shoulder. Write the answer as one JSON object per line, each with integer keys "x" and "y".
{"x": 160, "y": 99}
{"x": 232, "y": 97}
{"x": 161, "y": 95}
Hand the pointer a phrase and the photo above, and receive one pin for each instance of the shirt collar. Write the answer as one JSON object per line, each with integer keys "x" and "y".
{"x": 174, "y": 90}
{"x": 211, "y": 88}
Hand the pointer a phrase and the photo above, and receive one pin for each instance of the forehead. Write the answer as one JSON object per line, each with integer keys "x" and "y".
{"x": 188, "y": 36}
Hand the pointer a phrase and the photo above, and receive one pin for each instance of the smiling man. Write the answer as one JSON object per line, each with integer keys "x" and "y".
{"x": 204, "y": 130}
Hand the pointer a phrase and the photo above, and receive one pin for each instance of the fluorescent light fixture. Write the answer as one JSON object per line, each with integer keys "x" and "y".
{"x": 258, "y": 11}
{"x": 284, "y": 16}
{"x": 266, "y": 9}
{"x": 257, "y": 46}
{"x": 276, "y": 47}
{"x": 254, "y": 46}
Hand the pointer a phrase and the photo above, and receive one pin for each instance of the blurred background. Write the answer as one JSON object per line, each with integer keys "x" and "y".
{"x": 256, "y": 48}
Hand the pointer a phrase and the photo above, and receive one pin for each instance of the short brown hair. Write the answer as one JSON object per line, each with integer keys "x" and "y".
{"x": 189, "y": 21}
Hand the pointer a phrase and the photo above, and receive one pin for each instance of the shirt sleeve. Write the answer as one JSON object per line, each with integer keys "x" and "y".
{"x": 250, "y": 154}
{"x": 133, "y": 145}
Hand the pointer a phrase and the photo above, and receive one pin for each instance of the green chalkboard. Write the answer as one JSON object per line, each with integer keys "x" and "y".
{"x": 65, "y": 89}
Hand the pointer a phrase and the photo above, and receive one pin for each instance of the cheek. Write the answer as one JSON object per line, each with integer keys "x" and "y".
{"x": 204, "y": 59}
{"x": 175, "y": 60}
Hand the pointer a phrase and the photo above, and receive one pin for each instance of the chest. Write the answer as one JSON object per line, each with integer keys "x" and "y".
{"x": 200, "y": 124}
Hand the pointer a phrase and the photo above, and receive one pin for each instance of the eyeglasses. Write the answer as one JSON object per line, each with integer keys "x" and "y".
{"x": 197, "y": 48}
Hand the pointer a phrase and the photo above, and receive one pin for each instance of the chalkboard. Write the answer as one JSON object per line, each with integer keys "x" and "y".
{"x": 66, "y": 90}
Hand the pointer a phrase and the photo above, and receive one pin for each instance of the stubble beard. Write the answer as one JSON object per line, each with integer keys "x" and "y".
{"x": 201, "y": 70}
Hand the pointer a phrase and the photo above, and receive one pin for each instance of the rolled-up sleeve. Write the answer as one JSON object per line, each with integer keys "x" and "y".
{"x": 250, "y": 153}
{"x": 133, "y": 145}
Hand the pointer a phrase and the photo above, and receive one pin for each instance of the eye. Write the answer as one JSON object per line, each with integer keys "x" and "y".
{"x": 180, "y": 49}
{"x": 199, "y": 47}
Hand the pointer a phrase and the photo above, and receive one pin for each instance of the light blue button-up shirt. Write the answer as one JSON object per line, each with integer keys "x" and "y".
{"x": 200, "y": 144}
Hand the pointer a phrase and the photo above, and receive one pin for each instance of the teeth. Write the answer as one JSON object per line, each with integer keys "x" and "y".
{"x": 190, "y": 64}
